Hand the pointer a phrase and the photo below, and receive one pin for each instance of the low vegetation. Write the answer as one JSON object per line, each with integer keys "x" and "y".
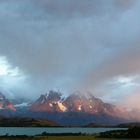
{"x": 133, "y": 132}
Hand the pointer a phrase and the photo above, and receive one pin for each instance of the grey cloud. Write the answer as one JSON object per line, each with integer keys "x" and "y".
{"x": 68, "y": 44}
{"x": 68, "y": 9}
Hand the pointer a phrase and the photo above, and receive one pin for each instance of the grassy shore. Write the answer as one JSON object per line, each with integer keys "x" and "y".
{"x": 131, "y": 133}
{"x": 57, "y": 138}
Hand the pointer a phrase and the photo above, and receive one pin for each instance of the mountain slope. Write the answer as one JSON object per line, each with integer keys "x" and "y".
{"x": 76, "y": 109}
{"x": 5, "y": 104}
{"x": 49, "y": 102}
{"x": 77, "y": 102}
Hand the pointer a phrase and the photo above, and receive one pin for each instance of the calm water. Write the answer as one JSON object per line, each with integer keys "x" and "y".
{"x": 35, "y": 131}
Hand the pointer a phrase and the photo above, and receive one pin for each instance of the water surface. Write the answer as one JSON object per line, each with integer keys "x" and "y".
{"x": 38, "y": 130}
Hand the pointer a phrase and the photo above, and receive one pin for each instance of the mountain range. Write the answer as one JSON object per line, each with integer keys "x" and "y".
{"x": 76, "y": 109}
{"x": 76, "y": 102}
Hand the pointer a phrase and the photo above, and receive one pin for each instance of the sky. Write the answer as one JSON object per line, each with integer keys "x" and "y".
{"x": 70, "y": 45}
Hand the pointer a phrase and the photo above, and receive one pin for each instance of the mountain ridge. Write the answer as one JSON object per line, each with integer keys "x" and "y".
{"x": 76, "y": 102}
{"x": 77, "y": 109}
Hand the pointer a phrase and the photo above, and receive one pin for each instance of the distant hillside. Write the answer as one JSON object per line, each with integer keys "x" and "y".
{"x": 26, "y": 122}
{"x": 94, "y": 125}
{"x": 128, "y": 125}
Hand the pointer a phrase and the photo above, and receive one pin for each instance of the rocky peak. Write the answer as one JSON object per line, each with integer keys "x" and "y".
{"x": 53, "y": 96}
{"x": 5, "y": 103}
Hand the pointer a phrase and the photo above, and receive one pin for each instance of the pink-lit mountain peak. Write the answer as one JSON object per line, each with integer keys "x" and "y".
{"x": 76, "y": 102}
{"x": 5, "y": 104}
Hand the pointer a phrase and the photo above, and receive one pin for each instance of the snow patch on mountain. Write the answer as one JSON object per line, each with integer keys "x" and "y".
{"x": 22, "y": 105}
{"x": 62, "y": 107}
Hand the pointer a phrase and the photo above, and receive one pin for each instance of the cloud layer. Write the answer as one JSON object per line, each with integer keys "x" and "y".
{"x": 70, "y": 45}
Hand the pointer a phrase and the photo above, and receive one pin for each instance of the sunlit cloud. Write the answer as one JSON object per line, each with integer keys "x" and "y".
{"x": 126, "y": 81}
{"x": 11, "y": 78}
{"x": 118, "y": 88}
{"x": 6, "y": 69}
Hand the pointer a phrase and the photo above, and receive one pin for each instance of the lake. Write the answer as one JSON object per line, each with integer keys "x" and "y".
{"x": 38, "y": 130}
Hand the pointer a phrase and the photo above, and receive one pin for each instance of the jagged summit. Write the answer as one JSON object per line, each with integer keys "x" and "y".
{"x": 51, "y": 101}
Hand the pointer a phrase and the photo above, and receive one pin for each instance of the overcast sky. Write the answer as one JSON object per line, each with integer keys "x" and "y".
{"x": 69, "y": 45}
